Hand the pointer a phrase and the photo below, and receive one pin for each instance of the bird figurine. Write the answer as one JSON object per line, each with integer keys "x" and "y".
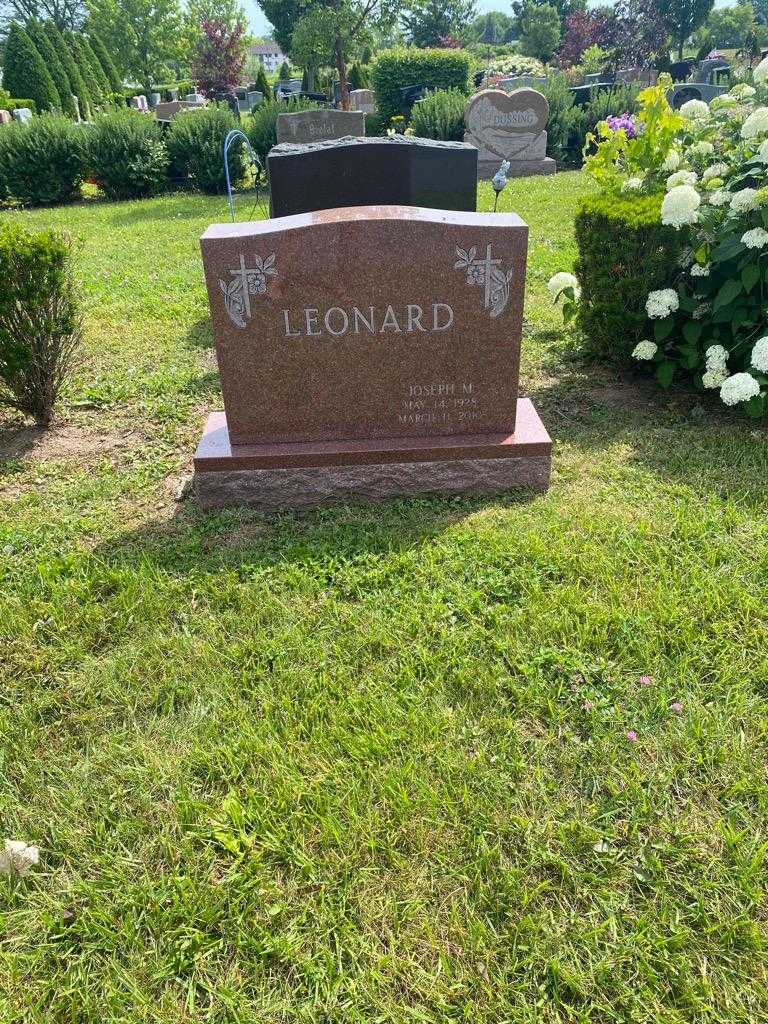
{"x": 499, "y": 181}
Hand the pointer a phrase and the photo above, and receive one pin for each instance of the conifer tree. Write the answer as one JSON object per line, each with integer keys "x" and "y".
{"x": 76, "y": 80}
{"x": 105, "y": 59}
{"x": 25, "y": 75}
{"x": 94, "y": 64}
{"x": 43, "y": 46}
{"x": 83, "y": 66}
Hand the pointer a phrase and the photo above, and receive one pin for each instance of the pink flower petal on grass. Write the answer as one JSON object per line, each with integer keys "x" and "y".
{"x": 646, "y": 680}
{"x": 677, "y": 706}
{"x": 631, "y": 735}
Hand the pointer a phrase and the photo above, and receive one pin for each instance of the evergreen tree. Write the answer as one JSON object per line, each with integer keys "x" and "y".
{"x": 285, "y": 72}
{"x": 43, "y": 46}
{"x": 95, "y": 65}
{"x": 25, "y": 75}
{"x": 355, "y": 78}
{"x": 76, "y": 82}
{"x": 108, "y": 65}
{"x": 263, "y": 85}
{"x": 83, "y": 66}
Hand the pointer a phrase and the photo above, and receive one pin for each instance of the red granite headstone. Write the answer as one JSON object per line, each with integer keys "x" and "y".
{"x": 368, "y": 351}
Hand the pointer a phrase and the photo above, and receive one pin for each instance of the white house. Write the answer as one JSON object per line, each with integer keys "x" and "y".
{"x": 270, "y": 55}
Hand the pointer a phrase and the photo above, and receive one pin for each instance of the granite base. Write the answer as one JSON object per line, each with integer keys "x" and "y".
{"x": 517, "y": 169}
{"x": 274, "y": 476}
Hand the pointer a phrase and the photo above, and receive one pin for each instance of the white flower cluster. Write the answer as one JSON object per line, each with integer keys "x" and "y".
{"x": 680, "y": 206}
{"x": 702, "y": 148}
{"x": 756, "y": 124}
{"x": 682, "y": 178}
{"x": 714, "y": 378}
{"x": 559, "y": 282}
{"x": 632, "y": 185}
{"x": 739, "y": 388}
{"x": 759, "y": 357}
{"x": 744, "y": 200}
{"x": 720, "y": 198}
{"x": 695, "y": 109}
{"x": 742, "y": 91}
{"x": 17, "y": 856}
{"x": 755, "y": 238}
{"x": 759, "y": 74}
{"x": 715, "y": 171}
{"x": 671, "y": 161}
{"x": 645, "y": 350}
{"x": 716, "y": 357}
{"x": 661, "y": 303}
{"x": 700, "y": 270}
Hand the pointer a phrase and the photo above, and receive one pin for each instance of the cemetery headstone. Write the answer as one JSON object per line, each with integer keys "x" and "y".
{"x": 23, "y": 114}
{"x": 76, "y": 103}
{"x": 5, "y": 117}
{"x": 196, "y": 98}
{"x": 154, "y": 99}
{"x": 680, "y": 94}
{"x": 319, "y": 125}
{"x": 397, "y": 170}
{"x": 254, "y": 97}
{"x": 362, "y": 99}
{"x": 519, "y": 82}
{"x": 173, "y": 95}
{"x": 509, "y": 126}
{"x": 400, "y": 378}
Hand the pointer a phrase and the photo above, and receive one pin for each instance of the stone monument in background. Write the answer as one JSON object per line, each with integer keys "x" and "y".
{"x": 396, "y": 377}
{"x": 319, "y": 125}
{"x": 509, "y": 126}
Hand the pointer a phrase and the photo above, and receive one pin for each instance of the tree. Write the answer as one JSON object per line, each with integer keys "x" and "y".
{"x": 492, "y": 28}
{"x": 584, "y": 29}
{"x": 683, "y": 17}
{"x": 94, "y": 64}
{"x": 539, "y": 31}
{"x": 262, "y": 84}
{"x": 220, "y": 57}
{"x": 728, "y": 27}
{"x": 146, "y": 36}
{"x": 284, "y": 16}
{"x": 76, "y": 81}
{"x": 81, "y": 58}
{"x": 56, "y": 70}
{"x": 104, "y": 58}
{"x": 25, "y": 75}
{"x": 285, "y": 71}
{"x": 230, "y": 12}
{"x": 63, "y": 13}
{"x": 563, "y": 7}
{"x": 640, "y": 33}
{"x": 427, "y": 21}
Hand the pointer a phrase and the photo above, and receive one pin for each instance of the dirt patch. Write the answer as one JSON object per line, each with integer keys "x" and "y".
{"x": 67, "y": 442}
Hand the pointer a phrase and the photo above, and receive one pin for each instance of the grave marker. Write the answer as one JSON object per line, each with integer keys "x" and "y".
{"x": 509, "y": 126}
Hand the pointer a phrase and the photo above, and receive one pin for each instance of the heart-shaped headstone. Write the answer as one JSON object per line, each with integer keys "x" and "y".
{"x": 504, "y": 125}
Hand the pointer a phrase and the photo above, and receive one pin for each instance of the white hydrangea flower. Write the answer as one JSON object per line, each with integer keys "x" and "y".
{"x": 632, "y": 185}
{"x": 716, "y": 357}
{"x": 645, "y": 350}
{"x": 760, "y": 73}
{"x": 739, "y": 388}
{"x": 18, "y": 856}
{"x": 742, "y": 91}
{"x": 680, "y": 206}
{"x": 671, "y": 161}
{"x": 695, "y": 109}
{"x": 697, "y": 270}
{"x": 702, "y": 148}
{"x": 755, "y": 238}
{"x": 682, "y": 178}
{"x": 756, "y": 124}
{"x": 559, "y": 282}
{"x": 720, "y": 198}
{"x": 715, "y": 171}
{"x": 661, "y": 303}
{"x": 723, "y": 102}
{"x": 714, "y": 378}
{"x": 759, "y": 357}
{"x": 701, "y": 310}
{"x": 763, "y": 151}
{"x": 744, "y": 200}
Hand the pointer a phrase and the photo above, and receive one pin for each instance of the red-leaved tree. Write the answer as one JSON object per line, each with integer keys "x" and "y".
{"x": 582, "y": 30}
{"x": 220, "y": 57}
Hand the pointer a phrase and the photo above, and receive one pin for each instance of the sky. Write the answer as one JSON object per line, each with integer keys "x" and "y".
{"x": 260, "y": 26}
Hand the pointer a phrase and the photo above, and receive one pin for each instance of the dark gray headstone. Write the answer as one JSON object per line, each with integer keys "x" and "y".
{"x": 394, "y": 171}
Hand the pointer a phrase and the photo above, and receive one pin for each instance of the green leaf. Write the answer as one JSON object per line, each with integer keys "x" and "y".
{"x": 727, "y": 294}
{"x": 663, "y": 328}
{"x": 665, "y": 372}
{"x": 692, "y": 332}
{"x": 755, "y": 407}
{"x": 728, "y": 249}
{"x": 750, "y": 275}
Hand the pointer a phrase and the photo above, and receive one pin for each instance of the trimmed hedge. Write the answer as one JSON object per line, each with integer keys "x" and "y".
{"x": 196, "y": 147}
{"x": 126, "y": 155}
{"x": 440, "y": 115}
{"x": 624, "y": 253}
{"x": 43, "y": 162}
{"x": 399, "y": 68}
{"x": 24, "y": 70}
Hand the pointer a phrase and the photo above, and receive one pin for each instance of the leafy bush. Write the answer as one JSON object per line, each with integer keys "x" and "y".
{"x": 515, "y": 65}
{"x": 440, "y": 115}
{"x": 19, "y": 104}
{"x": 624, "y": 253}
{"x": 375, "y": 126}
{"x": 24, "y": 71}
{"x": 127, "y": 156}
{"x": 263, "y": 130}
{"x": 397, "y": 69}
{"x": 196, "y": 147}
{"x": 566, "y": 128}
{"x": 43, "y": 162}
{"x": 40, "y": 325}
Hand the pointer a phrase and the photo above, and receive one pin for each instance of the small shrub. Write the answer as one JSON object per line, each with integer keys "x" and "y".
{"x": 515, "y": 65}
{"x": 397, "y": 69}
{"x": 606, "y": 102}
{"x": 43, "y": 162}
{"x": 440, "y": 115}
{"x": 375, "y": 126}
{"x": 40, "y": 324}
{"x": 566, "y": 128}
{"x": 263, "y": 130}
{"x": 624, "y": 253}
{"x": 196, "y": 147}
{"x": 127, "y": 156}
{"x": 19, "y": 104}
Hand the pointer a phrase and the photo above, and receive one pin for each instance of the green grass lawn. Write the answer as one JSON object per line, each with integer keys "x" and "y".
{"x": 371, "y": 764}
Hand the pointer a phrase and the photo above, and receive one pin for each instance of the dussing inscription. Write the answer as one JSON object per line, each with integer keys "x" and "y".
{"x": 337, "y": 322}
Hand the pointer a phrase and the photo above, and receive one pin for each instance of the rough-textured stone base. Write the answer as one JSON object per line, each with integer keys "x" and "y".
{"x": 317, "y": 485}
{"x": 518, "y": 168}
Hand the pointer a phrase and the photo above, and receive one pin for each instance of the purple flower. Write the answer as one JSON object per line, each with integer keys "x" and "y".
{"x": 677, "y": 706}
{"x": 631, "y": 735}
{"x": 626, "y": 121}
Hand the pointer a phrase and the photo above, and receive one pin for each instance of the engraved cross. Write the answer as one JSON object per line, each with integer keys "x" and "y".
{"x": 488, "y": 264}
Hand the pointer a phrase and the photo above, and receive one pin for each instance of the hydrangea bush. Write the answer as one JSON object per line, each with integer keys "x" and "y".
{"x": 710, "y": 163}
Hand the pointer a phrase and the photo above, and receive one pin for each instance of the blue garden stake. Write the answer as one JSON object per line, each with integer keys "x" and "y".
{"x": 231, "y": 136}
